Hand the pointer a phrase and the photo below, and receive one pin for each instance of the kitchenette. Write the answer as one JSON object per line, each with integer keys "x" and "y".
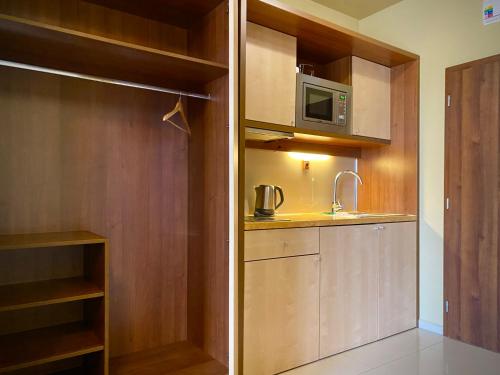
{"x": 329, "y": 199}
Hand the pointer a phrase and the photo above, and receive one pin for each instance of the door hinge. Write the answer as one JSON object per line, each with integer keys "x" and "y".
{"x": 449, "y": 101}
{"x": 446, "y": 306}
{"x": 447, "y": 203}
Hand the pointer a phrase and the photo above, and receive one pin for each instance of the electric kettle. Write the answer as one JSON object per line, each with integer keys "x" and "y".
{"x": 265, "y": 200}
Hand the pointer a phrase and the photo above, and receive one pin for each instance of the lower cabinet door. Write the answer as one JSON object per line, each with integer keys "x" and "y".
{"x": 281, "y": 319}
{"x": 349, "y": 287}
{"x": 398, "y": 278}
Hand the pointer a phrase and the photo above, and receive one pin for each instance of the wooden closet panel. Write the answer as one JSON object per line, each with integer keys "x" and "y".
{"x": 78, "y": 155}
{"x": 90, "y": 18}
{"x": 208, "y": 39}
{"x": 390, "y": 173}
{"x": 208, "y": 267}
{"x": 208, "y": 264}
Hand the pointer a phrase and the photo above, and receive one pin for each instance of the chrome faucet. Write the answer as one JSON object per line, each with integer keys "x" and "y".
{"x": 336, "y": 206}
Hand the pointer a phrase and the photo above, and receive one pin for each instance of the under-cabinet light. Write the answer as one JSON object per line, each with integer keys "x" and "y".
{"x": 308, "y": 157}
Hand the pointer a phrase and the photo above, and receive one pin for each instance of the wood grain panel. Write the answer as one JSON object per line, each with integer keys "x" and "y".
{"x": 208, "y": 38}
{"x": 89, "y": 18}
{"x": 271, "y": 60}
{"x": 371, "y": 102}
{"x": 181, "y": 358}
{"x": 46, "y": 345}
{"x": 472, "y": 184}
{"x": 390, "y": 174}
{"x": 179, "y": 12}
{"x": 278, "y": 243}
{"x": 26, "y": 265}
{"x": 320, "y": 40}
{"x": 398, "y": 278}
{"x": 349, "y": 287}
{"x": 208, "y": 265}
{"x": 281, "y": 328}
{"x": 81, "y": 155}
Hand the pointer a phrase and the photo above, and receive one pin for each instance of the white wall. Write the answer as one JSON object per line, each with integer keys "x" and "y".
{"x": 326, "y": 13}
{"x": 444, "y": 33}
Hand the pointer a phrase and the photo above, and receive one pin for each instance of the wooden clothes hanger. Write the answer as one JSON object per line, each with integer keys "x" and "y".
{"x": 179, "y": 108}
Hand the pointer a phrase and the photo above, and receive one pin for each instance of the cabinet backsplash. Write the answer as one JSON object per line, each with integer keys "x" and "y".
{"x": 305, "y": 190}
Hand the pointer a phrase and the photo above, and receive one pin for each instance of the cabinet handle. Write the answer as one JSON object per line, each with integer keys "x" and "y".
{"x": 379, "y": 227}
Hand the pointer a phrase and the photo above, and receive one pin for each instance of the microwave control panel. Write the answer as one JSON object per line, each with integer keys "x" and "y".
{"x": 341, "y": 109}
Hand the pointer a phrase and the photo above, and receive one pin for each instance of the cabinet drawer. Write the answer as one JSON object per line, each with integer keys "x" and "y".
{"x": 277, "y": 243}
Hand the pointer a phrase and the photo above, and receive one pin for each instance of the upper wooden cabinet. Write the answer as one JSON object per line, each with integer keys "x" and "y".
{"x": 271, "y": 60}
{"x": 398, "y": 278}
{"x": 371, "y": 107}
{"x": 281, "y": 319}
{"x": 349, "y": 283}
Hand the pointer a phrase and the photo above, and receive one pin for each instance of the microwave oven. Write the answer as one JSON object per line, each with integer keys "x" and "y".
{"x": 323, "y": 105}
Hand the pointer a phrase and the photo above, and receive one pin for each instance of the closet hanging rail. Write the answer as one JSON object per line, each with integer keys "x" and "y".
{"x": 102, "y": 79}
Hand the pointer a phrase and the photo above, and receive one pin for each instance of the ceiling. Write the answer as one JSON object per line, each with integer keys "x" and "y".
{"x": 358, "y": 8}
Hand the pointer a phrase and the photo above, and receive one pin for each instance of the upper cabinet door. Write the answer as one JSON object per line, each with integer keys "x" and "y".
{"x": 349, "y": 287}
{"x": 398, "y": 278}
{"x": 271, "y": 60}
{"x": 371, "y": 108}
{"x": 281, "y": 323}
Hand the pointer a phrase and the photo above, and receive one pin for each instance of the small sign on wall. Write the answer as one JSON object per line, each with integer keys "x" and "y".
{"x": 491, "y": 11}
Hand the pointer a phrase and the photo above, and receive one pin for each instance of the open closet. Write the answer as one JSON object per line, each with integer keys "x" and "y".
{"x": 104, "y": 192}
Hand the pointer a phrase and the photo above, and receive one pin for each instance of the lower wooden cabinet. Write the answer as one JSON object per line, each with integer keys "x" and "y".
{"x": 281, "y": 319}
{"x": 398, "y": 278}
{"x": 349, "y": 287}
{"x": 360, "y": 288}
{"x": 368, "y": 284}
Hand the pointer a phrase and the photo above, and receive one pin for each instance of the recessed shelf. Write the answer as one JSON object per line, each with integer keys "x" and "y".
{"x": 320, "y": 40}
{"x": 183, "y": 13}
{"x": 78, "y": 52}
{"x": 180, "y": 357}
{"x": 32, "y": 348}
{"x": 40, "y": 293}
{"x": 41, "y": 240}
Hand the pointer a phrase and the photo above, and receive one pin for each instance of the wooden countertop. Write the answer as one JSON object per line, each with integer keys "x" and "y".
{"x": 322, "y": 220}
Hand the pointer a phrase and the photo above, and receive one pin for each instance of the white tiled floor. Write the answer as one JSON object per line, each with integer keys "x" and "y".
{"x": 416, "y": 352}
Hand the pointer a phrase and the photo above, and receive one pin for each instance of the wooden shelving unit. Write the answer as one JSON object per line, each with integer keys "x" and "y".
{"x": 47, "y": 292}
{"x": 74, "y": 309}
{"x": 37, "y": 347}
{"x": 78, "y": 52}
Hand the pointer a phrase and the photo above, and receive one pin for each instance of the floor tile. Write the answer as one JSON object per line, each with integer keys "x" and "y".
{"x": 447, "y": 358}
{"x": 416, "y": 352}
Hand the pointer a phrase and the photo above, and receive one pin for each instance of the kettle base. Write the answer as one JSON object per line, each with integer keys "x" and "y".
{"x": 262, "y": 212}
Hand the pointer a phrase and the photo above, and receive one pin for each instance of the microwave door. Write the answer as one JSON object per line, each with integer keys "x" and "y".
{"x": 318, "y": 104}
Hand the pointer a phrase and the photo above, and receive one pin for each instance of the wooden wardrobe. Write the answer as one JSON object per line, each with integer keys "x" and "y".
{"x": 81, "y": 155}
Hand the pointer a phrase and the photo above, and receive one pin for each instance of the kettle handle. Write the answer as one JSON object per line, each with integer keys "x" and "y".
{"x": 281, "y": 196}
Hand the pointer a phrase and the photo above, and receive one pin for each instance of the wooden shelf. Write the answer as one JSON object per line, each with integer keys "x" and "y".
{"x": 40, "y": 293}
{"x": 320, "y": 40}
{"x": 183, "y": 13}
{"x": 178, "y": 358}
{"x": 31, "y": 348}
{"x": 318, "y": 137}
{"x": 33, "y": 240}
{"x": 78, "y": 52}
